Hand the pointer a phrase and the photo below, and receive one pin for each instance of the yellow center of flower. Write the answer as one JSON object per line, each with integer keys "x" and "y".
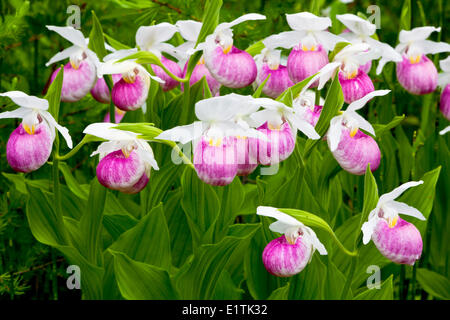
{"x": 392, "y": 222}
{"x": 353, "y": 132}
{"x": 129, "y": 78}
{"x": 28, "y": 129}
{"x": 120, "y": 112}
{"x": 227, "y": 49}
{"x": 201, "y": 61}
{"x": 305, "y": 48}
{"x": 272, "y": 127}
{"x": 215, "y": 142}
{"x": 74, "y": 65}
{"x": 414, "y": 59}
{"x": 126, "y": 152}
{"x": 352, "y": 75}
{"x": 241, "y": 137}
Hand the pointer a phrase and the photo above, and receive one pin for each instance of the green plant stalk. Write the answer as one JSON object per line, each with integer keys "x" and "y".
{"x": 413, "y": 282}
{"x": 112, "y": 111}
{"x": 72, "y": 152}
{"x": 54, "y": 275}
{"x": 174, "y": 77}
{"x": 317, "y": 97}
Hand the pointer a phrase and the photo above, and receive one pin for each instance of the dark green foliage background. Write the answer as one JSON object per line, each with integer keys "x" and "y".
{"x": 32, "y": 270}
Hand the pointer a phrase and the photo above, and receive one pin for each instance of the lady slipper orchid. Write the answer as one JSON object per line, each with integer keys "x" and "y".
{"x": 444, "y": 83}
{"x": 279, "y": 124}
{"x": 152, "y": 39}
{"x": 304, "y": 104}
{"x": 30, "y": 144}
{"x": 310, "y": 42}
{"x": 361, "y": 31}
{"x": 289, "y": 254}
{"x": 355, "y": 83}
{"x": 222, "y": 123}
{"x": 190, "y": 30}
{"x": 125, "y": 160}
{"x": 352, "y": 148}
{"x": 131, "y": 91}
{"x": 268, "y": 63}
{"x": 229, "y": 65}
{"x": 416, "y": 73}
{"x": 80, "y": 73}
{"x": 396, "y": 239}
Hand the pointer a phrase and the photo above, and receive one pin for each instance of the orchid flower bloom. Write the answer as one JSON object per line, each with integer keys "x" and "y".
{"x": 444, "y": 83}
{"x": 125, "y": 160}
{"x": 416, "y": 73}
{"x": 397, "y": 239}
{"x": 152, "y": 39}
{"x": 223, "y": 122}
{"x": 190, "y": 31}
{"x": 310, "y": 42}
{"x": 229, "y": 65}
{"x": 355, "y": 83}
{"x": 280, "y": 124}
{"x": 131, "y": 91}
{"x": 79, "y": 74}
{"x": 30, "y": 144}
{"x": 289, "y": 254}
{"x": 361, "y": 32}
{"x": 352, "y": 148}
{"x": 304, "y": 104}
{"x": 269, "y": 62}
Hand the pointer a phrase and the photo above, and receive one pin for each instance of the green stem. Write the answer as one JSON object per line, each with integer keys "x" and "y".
{"x": 170, "y": 74}
{"x": 317, "y": 100}
{"x": 54, "y": 275}
{"x": 112, "y": 111}
{"x": 413, "y": 283}
{"x": 72, "y": 152}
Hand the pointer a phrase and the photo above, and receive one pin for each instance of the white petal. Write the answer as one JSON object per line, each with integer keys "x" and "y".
{"x": 22, "y": 99}
{"x": 53, "y": 124}
{"x": 334, "y": 133}
{"x": 119, "y": 54}
{"x": 369, "y": 226}
{"x": 358, "y": 104}
{"x": 283, "y": 218}
{"x": 73, "y": 35}
{"x": 147, "y": 37}
{"x": 351, "y": 50}
{"x": 303, "y": 126}
{"x": 66, "y": 53}
{"x": 362, "y": 123}
{"x": 327, "y": 39}
{"x": 107, "y": 147}
{"x": 444, "y": 131}
{"x": 105, "y": 131}
{"x": 270, "y": 116}
{"x": 219, "y": 108}
{"x": 287, "y": 39}
{"x": 113, "y": 67}
{"x": 18, "y": 113}
{"x": 445, "y": 64}
{"x": 307, "y": 21}
{"x": 189, "y": 29}
{"x": 327, "y": 72}
{"x": 398, "y": 191}
{"x": 403, "y": 208}
{"x": 357, "y": 24}
{"x": 183, "y": 134}
{"x": 245, "y": 17}
{"x": 312, "y": 237}
{"x": 146, "y": 152}
{"x": 417, "y": 34}
{"x": 432, "y": 47}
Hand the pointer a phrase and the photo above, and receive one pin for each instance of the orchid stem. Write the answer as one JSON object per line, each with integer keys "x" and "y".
{"x": 183, "y": 157}
{"x": 174, "y": 77}
{"x": 72, "y": 152}
{"x": 317, "y": 97}
{"x": 112, "y": 111}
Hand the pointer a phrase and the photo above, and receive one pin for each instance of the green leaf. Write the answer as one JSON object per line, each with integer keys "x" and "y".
{"x": 334, "y": 282}
{"x": 260, "y": 88}
{"x": 434, "y": 283}
{"x": 292, "y": 92}
{"x": 72, "y": 183}
{"x": 255, "y": 48}
{"x": 210, "y": 19}
{"x": 338, "y": 47}
{"x": 54, "y": 94}
{"x": 141, "y": 281}
{"x": 115, "y": 44}
{"x": 198, "y": 278}
{"x": 91, "y": 223}
{"x": 405, "y": 16}
{"x": 386, "y": 292}
{"x": 370, "y": 198}
{"x": 381, "y": 128}
{"x": 333, "y": 103}
{"x": 148, "y": 241}
{"x": 96, "y": 40}
{"x": 201, "y": 205}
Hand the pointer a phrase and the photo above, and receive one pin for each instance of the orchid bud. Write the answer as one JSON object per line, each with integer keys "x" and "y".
{"x": 27, "y": 150}
{"x": 173, "y": 67}
{"x": 445, "y": 102}
{"x": 305, "y": 61}
{"x": 278, "y": 147}
{"x": 355, "y": 151}
{"x": 283, "y": 259}
{"x": 417, "y": 76}
{"x": 399, "y": 241}
{"x": 215, "y": 160}
{"x": 100, "y": 91}
{"x": 122, "y": 170}
{"x": 355, "y": 86}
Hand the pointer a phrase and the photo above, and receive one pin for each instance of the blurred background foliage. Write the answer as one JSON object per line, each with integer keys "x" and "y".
{"x": 31, "y": 270}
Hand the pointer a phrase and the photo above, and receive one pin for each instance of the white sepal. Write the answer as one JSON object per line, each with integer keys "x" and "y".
{"x": 70, "y": 33}
{"x": 245, "y": 17}
{"x": 53, "y": 124}
{"x": 22, "y": 99}
{"x": 394, "y": 194}
{"x": 307, "y": 21}
{"x": 106, "y": 131}
{"x": 444, "y": 131}
{"x": 148, "y": 38}
{"x": 189, "y": 29}
{"x": 66, "y": 53}
{"x": 368, "y": 227}
{"x": 405, "y": 209}
{"x": 287, "y": 39}
{"x": 358, "y": 104}
{"x": 284, "y": 221}
{"x": 417, "y": 34}
{"x": 311, "y": 237}
{"x": 334, "y": 132}
{"x": 185, "y": 133}
{"x": 356, "y": 24}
